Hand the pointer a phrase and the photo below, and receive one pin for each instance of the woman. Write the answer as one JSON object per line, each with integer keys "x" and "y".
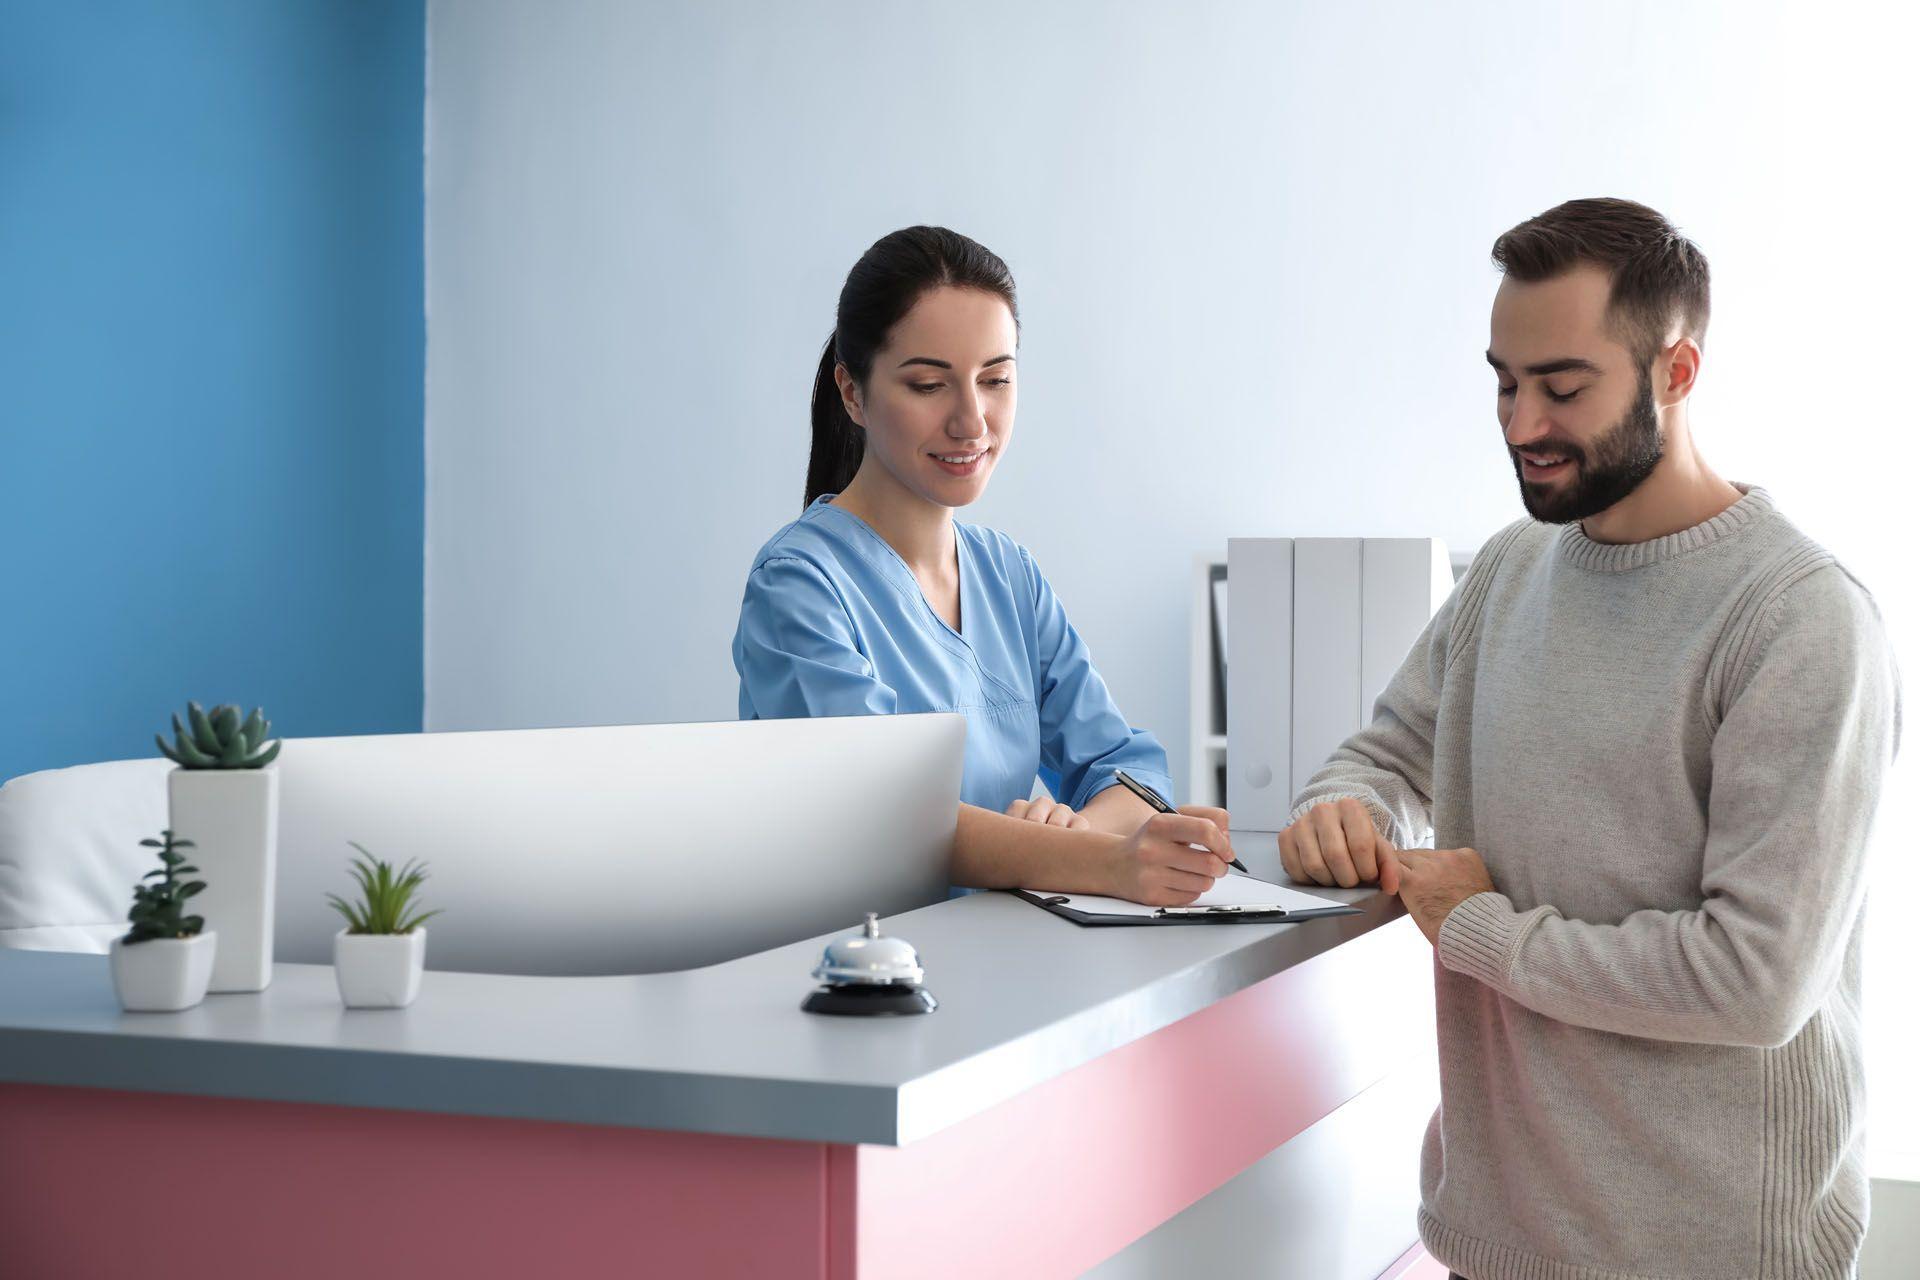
{"x": 876, "y": 600}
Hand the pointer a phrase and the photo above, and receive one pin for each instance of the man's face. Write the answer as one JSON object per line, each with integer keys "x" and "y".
{"x": 1575, "y": 404}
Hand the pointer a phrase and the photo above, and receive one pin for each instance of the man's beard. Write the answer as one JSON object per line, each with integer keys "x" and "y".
{"x": 1610, "y": 469}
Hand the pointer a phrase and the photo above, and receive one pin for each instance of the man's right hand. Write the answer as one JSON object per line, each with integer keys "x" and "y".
{"x": 1335, "y": 843}
{"x": 1157, "y": 865}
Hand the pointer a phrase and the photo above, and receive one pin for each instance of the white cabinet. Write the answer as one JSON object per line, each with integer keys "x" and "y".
{"x": 1315, "y": 629}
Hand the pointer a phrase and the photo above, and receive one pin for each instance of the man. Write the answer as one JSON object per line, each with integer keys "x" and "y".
{"x": 1660, "y": 716}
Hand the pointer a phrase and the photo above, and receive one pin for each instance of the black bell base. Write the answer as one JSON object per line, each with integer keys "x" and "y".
{"x": 870, "y": 1001}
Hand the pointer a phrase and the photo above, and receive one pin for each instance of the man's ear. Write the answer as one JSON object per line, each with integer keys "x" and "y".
{"x": 849, "y": 395}
{"x": 1679, "y": 366}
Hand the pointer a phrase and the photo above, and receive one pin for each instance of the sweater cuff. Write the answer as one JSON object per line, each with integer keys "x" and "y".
{"x": 1481, "y": 937}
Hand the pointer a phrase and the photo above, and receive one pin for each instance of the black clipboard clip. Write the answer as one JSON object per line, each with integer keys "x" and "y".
{"x": 1221, "y": 911}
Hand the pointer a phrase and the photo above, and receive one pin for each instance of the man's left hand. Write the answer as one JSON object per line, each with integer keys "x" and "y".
{"x": 1432, "y": 882}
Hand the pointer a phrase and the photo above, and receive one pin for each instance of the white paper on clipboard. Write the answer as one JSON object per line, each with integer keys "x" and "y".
{"x": 1230, "y": 890}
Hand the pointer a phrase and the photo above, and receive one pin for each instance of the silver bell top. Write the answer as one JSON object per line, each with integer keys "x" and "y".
{"x": 866, "y": 958}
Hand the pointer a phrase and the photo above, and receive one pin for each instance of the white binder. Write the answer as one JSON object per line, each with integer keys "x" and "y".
{"x": 1259, "y": 680}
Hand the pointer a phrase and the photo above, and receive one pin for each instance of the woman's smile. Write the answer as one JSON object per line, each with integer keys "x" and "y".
{"x": 962, "y": 464}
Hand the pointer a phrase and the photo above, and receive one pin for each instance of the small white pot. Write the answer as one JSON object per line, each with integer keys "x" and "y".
{"x": 379, "y": 970}
{"x": 162, "y": 975}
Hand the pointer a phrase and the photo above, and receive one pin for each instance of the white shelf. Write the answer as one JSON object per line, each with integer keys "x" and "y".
{"x": 1206, "y": 714}
{"x": 1206, "y": 739}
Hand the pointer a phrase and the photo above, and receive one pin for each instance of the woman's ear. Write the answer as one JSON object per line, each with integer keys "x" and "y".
{"x": 849, "y": 395}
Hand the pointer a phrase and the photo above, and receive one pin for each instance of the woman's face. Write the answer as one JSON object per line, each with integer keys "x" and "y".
{"x": 938, "y": 404}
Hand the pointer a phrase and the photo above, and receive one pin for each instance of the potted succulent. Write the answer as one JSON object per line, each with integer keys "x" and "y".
{"x": 378, "y": 957}
{"x": 163, "y": 962}
{"x": 225, "y": 798}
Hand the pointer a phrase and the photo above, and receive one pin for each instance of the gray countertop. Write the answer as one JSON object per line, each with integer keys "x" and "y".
{"x": 1024, "y": 996}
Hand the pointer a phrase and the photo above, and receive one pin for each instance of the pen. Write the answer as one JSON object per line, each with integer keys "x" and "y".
{"x": 1158, "y": 805}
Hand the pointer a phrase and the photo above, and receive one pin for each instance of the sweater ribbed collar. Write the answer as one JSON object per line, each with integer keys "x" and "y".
{"x": 1616, "y": 557}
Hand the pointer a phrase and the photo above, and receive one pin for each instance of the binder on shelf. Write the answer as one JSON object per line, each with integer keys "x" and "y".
{"x": 1326, "y": 654}
{"x": 1259, "y": 762}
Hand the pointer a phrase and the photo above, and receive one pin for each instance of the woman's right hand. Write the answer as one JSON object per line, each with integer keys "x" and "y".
{"x": 1157, "y": 865}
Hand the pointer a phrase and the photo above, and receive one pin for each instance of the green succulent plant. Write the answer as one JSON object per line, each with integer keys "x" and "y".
{"x": 221, "y": 740}
{"x": 157, "y": 908}
{"x": 386, "y": 896}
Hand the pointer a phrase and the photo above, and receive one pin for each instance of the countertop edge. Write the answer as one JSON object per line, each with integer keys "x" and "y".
{"x": 743, "y": 1106}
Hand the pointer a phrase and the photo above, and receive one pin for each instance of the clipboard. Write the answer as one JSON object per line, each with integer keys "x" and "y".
{"x": 1234, "y": 899}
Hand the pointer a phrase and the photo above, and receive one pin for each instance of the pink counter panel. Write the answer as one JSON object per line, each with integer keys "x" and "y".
{"x": 1049, "y": 1182}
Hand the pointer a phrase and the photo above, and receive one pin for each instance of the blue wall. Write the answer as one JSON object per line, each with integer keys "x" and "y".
{"x": 212, "y": 344}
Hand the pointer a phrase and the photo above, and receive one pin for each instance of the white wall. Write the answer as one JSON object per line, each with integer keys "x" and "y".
{"x": 1251, "y": 241}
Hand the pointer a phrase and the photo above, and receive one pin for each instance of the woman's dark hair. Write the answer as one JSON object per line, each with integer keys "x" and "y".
{"x": 882, "y": 287}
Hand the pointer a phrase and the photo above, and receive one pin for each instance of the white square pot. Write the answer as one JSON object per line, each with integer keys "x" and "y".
{"x": 161, "y": 975}
{"x": 379, "y": 970}
{"x": 232, "y": 817}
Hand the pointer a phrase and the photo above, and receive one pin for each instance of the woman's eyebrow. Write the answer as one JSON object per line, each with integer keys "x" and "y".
{"x": 942, "y": 364}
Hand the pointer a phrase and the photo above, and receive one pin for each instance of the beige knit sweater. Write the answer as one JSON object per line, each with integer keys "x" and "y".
{"x": 1669, "y": 754}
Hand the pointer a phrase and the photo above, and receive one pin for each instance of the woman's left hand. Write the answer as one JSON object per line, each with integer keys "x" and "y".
{"x": 1047, "y": 812}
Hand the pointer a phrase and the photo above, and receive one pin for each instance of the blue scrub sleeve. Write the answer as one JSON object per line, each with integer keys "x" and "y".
{"x": 1083, "y": 736}
{"x": 795, "y": 649}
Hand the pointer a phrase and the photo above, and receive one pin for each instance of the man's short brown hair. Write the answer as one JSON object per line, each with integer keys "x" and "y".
{"x": 1659, "y": 276}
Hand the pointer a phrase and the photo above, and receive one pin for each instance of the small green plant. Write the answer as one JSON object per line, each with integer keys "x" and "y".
{"x": 157, "y": 907}
{"x": 221, "y": 740}
{"x": 386, "y": 896}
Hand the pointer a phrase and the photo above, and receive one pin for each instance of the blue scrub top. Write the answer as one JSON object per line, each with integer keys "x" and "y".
{"x": 834, "y": 624}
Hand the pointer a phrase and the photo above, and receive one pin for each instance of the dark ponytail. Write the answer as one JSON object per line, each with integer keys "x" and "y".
{"x": 838, "y": 443}
{"x": 882, "y": 287}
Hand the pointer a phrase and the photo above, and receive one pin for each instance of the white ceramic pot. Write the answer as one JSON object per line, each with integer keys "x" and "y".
{"x": 232, "y": 816}
{"x": 162, "y": 975}
{"x": 379, "y": 970}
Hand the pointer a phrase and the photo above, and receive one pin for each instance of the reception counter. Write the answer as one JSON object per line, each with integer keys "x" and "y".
{"x": 1084, "y": 1100}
